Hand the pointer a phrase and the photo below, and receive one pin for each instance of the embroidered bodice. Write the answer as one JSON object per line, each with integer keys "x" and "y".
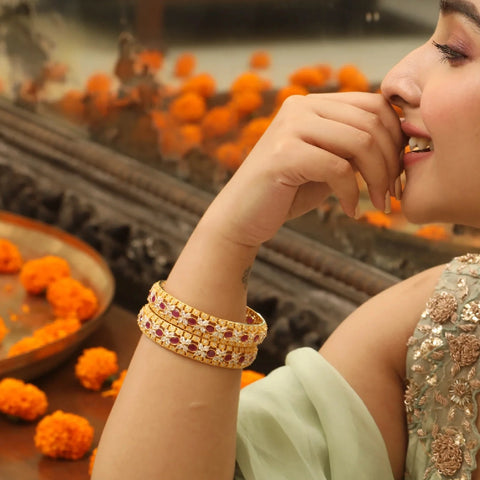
{"x": 443, "y": 378}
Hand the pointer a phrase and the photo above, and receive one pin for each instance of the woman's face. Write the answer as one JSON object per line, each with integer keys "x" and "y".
{"x": 438, "y": 88}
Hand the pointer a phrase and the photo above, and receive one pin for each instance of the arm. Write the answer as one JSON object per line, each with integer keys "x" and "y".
{"x": 175, "y": 418}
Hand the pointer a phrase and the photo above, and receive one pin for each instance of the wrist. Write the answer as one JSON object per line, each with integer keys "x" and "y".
{"x": 211, "y": 273}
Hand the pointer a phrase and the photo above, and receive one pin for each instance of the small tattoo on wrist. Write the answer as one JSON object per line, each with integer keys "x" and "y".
{"x": 245, "y": 276}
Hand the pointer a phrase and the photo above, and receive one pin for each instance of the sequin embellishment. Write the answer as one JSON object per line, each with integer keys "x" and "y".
{"x": 442, "y": 377}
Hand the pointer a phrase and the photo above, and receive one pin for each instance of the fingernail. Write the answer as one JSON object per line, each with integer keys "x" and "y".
{"x": 388, "y": 203}
{"x": 357, "y": 213}
{"x": 398, "y": 188}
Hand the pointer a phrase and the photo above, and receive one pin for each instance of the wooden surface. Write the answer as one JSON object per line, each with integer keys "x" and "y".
{"x": 19, "y": 459}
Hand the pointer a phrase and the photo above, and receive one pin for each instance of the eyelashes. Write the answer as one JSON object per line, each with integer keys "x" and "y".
{"x": 449, "y": 54}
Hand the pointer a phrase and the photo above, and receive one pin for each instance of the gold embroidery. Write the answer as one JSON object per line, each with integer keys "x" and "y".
{"x": 443, "y": 381}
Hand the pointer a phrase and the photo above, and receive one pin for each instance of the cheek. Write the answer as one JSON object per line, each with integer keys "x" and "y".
{"x": 450, "y": 109}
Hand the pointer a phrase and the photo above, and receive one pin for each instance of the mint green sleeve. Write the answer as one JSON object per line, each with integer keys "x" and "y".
{"x": 304, "y": 422}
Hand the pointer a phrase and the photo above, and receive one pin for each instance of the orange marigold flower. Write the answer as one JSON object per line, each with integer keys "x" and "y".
{"x": 288, "y": 91}
{"x": 99, "y": 83}
{"x": 252, "y": 132}
{"x": 149, "y": 60}
{"x": 351, "y": 78}
{"x": 250, "y": 376}
{"x": 70, "y": 298}
{"x": 184, "y": 65}
{"x": 72, "y": 105}
{"x": 218, "y": 121}
{"x": 260, "y": 59}
{"x": 326, "y": 69}
{"x": 64, "y": 435}
{"x": 433, "y": 232}
{"x": 36, "y": 275}
{"x": 24, "y": 345}
{"x": 94, "y": 366}
{"x": 396, "y": 205}
{"x": 188, "y": 107}
{"x": 249, "y": 81}
{"x": 91, "y": 461}
{"x": 379, "y": 219}
{"x": 246, "y": 101}
{"x": 3, "y": 329}
{"x": 116, "y": 385}
{"x": 159, "y": 119}
{"x": 10, "y": 257}
{"x": 308, "y": 77}
{"x": 230, "y": 155}
{"x": 190, "y": 137}
{"x": 59, "y": 328}
{"x": 22, "y": 400}
{"x": 202, "y": 84}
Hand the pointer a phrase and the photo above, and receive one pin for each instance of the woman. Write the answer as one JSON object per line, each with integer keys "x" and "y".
{"x": 176, "y": 418}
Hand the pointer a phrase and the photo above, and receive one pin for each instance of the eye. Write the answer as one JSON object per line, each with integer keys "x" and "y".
{"x": 450, "y": 55}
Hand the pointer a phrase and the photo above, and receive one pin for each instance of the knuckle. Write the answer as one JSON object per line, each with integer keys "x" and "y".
{"x": 365, "y": 140}
{"x": 293, "y": 101}
{"x": 340, "y": 168}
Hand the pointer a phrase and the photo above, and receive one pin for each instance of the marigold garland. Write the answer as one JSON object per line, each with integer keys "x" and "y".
{"x": 230, "y": 155}
{"x": 252, "y": 132}
{"x": 246, "y": 102}
{"x": 99, "y": 83}
{"x": 188, "y": 107}
{"x": 37, "y": 274}
{"x": 202, "y": 84}
{"x": 218, "y": 122}
{"x": 10, "y": 257}
{"x": 351, "y": 78}
{"x": 22, "y": 400}
{"x": 184, "y": 65}
{"x": 260, "y": 59}
{"x": 308, "y": 77}
{"x": 64, "y": 435}
{"x": 94, "y": 366}
{"x": 249, "y": 81}
{"x": 70, "y": 298}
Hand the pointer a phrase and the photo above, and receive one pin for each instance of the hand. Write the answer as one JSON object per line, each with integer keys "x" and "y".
{"x": 313, "y": 147}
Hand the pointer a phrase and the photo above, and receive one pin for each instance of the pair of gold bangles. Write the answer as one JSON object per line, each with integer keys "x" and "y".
{"x": 187, "y": 331}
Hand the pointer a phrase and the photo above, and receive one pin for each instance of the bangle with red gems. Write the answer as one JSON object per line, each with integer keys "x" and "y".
{"x": 248, "y": 334}
{"x": 205, "y": 349}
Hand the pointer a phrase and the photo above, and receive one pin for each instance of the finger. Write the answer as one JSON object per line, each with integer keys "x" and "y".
{"x": 321, "y": 167}
{"x": 377, "y": 104}
{"x": 358, "y": 147}
{"x": 370, "y": 123}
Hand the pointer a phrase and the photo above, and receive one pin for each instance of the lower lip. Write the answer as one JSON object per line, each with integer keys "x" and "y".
{"x": 412, "y": 158}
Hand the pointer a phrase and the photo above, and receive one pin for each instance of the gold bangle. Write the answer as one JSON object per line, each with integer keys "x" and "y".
{"x": 251, "y": 333}
{"x": 197, "y": 348}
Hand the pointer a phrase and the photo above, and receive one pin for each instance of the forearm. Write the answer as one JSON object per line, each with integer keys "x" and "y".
{"x": 175, "y": 418}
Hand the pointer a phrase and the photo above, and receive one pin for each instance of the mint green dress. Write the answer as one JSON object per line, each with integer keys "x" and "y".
{"x": 444, "y": 378}
{"x": 305, "y": 422}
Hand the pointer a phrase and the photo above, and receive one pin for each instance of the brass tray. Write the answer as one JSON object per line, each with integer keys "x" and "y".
{"x": 23, "y": 313}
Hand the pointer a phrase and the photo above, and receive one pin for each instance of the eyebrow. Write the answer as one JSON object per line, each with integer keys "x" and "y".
{"x": 463, "y": 7}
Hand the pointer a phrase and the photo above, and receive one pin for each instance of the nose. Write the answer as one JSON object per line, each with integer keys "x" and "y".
{"x": 402, "y": 86}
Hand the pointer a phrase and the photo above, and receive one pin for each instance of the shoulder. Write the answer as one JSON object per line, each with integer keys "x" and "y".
{"x": 369, "y": 350}
{"x": 383, "y": 324}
